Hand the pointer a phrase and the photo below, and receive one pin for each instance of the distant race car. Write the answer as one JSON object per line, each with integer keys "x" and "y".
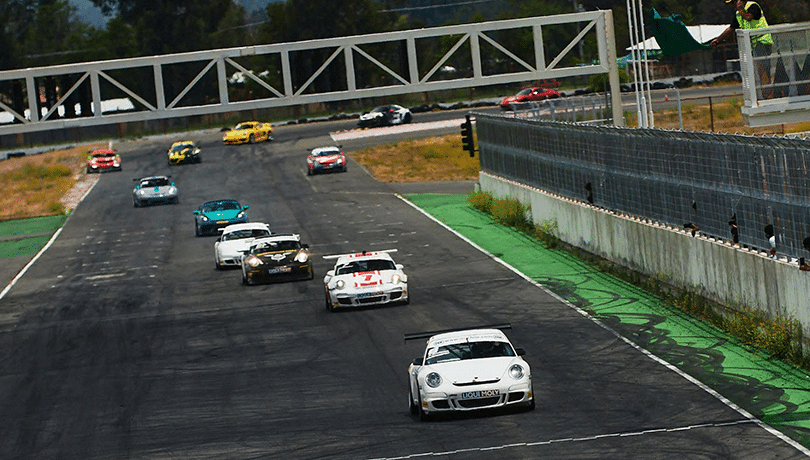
{"x": 103, "y": 160}
{"x": 213, "y": 215}
{"x": 279, "y": 257}
{"x": 154, "y": 190}
{"x": 385, "y": 115}
{"x": 183, "y": 152}
{"x": 466, "y": 370}
{"x": 365, "y": 278}
{"x": 325, "y": 159}
{"x": 531, "y": 94}
{"x": 249, "y": 132}
{"x": 234, "y": 239}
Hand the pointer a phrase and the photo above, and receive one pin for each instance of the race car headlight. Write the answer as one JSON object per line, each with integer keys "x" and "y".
{"x": 204, "y": 219}
{"x": 254, "y": 261}
{"x": 141, "y": 192}
{"x": 339, "y": 161}
{"x": 396, "y": 279}
{"x": 340, "y": 284}
{"x": 516, "y": 371}
{"x": 172, "y": 190}
{"x": 240, "y": 215}
{"x": 433, "y": 380}
{"x": 301, "y": 257}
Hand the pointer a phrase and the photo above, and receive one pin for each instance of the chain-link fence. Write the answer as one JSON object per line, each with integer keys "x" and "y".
{"x": 748, "y": 189}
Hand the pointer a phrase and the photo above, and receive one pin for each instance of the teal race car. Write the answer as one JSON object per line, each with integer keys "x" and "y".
{"x": 214, "y": 215}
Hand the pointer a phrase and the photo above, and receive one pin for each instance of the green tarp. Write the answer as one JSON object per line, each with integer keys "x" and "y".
{"x": 672, "y": 35}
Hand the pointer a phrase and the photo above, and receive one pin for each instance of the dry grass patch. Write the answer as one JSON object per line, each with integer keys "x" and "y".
{"x": 33, "y": 185}
{"x": 421, "y": 160}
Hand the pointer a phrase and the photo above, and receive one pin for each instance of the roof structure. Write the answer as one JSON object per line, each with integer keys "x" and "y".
{"x": 702, "y": 34}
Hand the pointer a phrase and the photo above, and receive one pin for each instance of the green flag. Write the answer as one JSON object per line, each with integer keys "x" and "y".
{"x": 672, "y": 35}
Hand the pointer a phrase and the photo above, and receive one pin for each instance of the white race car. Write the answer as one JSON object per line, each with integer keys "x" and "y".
{"x": 234, "y": 240}
{"x": 366, "y": 278}
{"x": 385, "y": 115}
{"x": 465, "y": 370}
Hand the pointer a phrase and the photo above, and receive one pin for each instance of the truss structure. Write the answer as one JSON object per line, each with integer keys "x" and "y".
{"x": 285, "y": 74}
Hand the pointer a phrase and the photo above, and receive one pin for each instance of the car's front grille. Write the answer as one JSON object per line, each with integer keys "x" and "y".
{"x": 516, "y": 396}
{"x": 376, "y": 299}
{"x": 483, "y": 402}
{"x": 477, "y": 382}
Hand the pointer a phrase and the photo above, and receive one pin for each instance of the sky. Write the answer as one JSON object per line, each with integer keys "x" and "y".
{"x": 88, "y": 13}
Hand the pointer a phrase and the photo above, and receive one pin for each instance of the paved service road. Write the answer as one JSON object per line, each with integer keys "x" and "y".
{"x": 123, "y": 342}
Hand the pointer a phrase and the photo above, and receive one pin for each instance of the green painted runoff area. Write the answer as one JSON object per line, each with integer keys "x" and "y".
{"x": 27, "y": 236}
{"x": 775, "y": 392}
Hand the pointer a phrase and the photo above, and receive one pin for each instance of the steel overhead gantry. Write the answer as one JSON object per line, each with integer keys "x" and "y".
{"x": 285, "y": 74}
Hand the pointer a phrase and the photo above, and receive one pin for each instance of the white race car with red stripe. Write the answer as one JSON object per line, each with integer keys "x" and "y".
{"x": 365, "y": 278}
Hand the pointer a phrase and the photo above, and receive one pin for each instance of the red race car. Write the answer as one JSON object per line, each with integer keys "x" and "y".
{"x": 103, "y": 160}
{"x": 326, "y": 159}
{"x": 530, "y": 94}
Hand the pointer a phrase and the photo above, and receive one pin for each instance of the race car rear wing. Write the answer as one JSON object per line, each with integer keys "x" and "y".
{"x": 427, "y": 335}
{"x": 337, "y": 256}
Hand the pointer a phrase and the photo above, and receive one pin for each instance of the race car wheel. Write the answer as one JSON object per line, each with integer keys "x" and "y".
{"x": 135, "y": 203}
{"x": 217, "y": 265}
{"x": 413, "y": 408}
{"x": 252, "y": 139}
{"x": 196, "y": 230}
{"x": 530, "y": 406}
{"x": 423, "y": 416}
{"x": 407, "y": 118}
{"x": 329, "y": 306}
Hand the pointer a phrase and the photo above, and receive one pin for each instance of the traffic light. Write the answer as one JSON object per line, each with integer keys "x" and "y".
{"x": 467, "y": 136}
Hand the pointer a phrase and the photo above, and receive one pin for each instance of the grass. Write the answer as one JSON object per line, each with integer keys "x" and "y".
{"x": 34, "y": 185}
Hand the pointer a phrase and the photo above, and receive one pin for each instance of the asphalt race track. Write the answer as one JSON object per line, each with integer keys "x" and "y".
{"x": 123, "y": 342}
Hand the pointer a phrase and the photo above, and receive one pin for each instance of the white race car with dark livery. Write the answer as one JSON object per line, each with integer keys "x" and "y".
{"x": 234, "y": 240}
{"x": 466, "y": 370}
{"x": 385, "y": 115}
{"x": 365, "y": 278}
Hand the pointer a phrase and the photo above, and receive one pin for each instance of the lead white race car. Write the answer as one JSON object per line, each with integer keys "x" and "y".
{"x": 234, "y": 240}
{"x": 467, "y": 370}
{"x": 365, "y": 278}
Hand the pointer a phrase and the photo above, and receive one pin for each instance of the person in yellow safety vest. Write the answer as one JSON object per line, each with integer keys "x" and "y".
{"x": 749, "y": 15}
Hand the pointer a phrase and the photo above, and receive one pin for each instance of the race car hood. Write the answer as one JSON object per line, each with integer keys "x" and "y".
{"x": 362, "y": 280}
{"x": 180, "y": 155}
{"x": 326, "y": 159}
{"x": 237, "y": 134}
{"x": 473, "y": 370}
{"x": 234, "y": 247}
{"x": 511, "y": 100}
{"x": 371, "y": 115}
{"x": 277, "y": 258}
{"x": 222, "y": 215}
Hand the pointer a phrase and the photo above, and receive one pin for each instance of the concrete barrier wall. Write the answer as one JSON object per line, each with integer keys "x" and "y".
{"x": 713, "y": 268}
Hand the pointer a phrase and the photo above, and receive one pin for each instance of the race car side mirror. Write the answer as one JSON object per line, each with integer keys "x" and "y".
{"x": 417, "y": 361}
{"x": 245, "y": 207}
{"x": 196, "y": 212}
{"x": 330, "y": 273}
{"x": 305, "y": 246}
{"x": 400, "y": 266}
{"x": 520, "y": 351}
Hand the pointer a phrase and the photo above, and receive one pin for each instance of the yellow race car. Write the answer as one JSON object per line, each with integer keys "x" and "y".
{"x": 183, "y": 152}
{"x": 249, "y": 132}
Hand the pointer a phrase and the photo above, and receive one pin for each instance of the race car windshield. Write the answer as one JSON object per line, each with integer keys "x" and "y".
{"x": 155, "y": 183}
{"x": 220, "y": 206}
{"x": 370, "y": 265}
{"x": 244, "y": 126}
{"x": 468, "y": 350}
{"x": 242, "y": 234}
{"x": 525, "y": 92}
{"x": 276, "y": 246}
{"x": 180, "y": 148}
{"x": 102, "y": 155}
{"x": 324, "y": 153}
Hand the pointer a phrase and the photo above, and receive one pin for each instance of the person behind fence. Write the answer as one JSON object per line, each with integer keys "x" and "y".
{"x": 749, "y": 15}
